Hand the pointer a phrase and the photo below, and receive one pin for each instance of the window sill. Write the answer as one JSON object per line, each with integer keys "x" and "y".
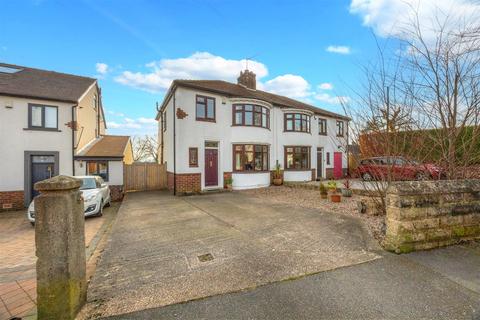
{"x": 42, "y": 129}
{"x": 252, "y": 126}
{"x": 322, "y": 134}
{"x": 206, "y": 120}
{"x": 304, "y": 169}
{"x": 250, "y": 172}
{"x": 287, "y": 131}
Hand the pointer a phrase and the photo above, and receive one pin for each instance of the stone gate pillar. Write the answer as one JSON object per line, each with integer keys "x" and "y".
{"x": 60, "y": 248}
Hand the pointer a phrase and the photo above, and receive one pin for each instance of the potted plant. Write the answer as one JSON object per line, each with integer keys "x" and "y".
{"x": 346, "y": 190}
{"x": 332, "y": 190}
{"x": 323, "y": 191}
{"x": 228, "y": 183}
{"x": 277, "y": 176}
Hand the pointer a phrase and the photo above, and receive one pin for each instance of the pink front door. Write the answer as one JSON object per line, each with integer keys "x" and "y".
{"x": 337, "y": 165}
{"x": 211, "y": 167}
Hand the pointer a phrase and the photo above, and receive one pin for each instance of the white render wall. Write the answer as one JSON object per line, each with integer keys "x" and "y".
{"x": 192, "y": 133}
{"x": 14, "y": 140}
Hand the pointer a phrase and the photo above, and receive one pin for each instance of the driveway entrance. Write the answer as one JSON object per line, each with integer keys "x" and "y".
{"x": 166, "y": 249}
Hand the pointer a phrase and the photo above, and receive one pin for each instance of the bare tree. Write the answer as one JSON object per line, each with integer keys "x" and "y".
{"x": 421, "y": 100}
{"x": 145, "y": 149}
{"x": 446, "y": 68}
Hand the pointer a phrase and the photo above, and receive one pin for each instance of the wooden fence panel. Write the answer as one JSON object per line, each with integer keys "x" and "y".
{"x": 144, "y": 176}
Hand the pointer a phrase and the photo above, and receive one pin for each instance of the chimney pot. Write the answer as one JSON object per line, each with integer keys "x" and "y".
{"x": 248, "y": 79}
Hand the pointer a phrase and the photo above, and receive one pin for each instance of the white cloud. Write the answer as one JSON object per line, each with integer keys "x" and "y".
{"x": 137, "y": 126}
{"x": 330, "y": 99}
{"x": 391, "y": 17}
{"x": 102, "y": 68}
{"x": 200, "y": 65}
{"x": 114, "y": 113}
{"x": 289, "y": 85}
{"x": 325, "y": 86}
{"x": 339, "y": 49}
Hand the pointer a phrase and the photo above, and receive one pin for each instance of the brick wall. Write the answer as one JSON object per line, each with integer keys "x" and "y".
{"x": 429, "y": 214}
{"x": 116, "y": 193}
{"x": 11, "y": 200}
{"x": 186, "y": 183}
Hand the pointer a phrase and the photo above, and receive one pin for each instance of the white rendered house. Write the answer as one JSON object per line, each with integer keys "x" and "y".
{"x": 53, "y": 123}
{"x": 213, "y": 130}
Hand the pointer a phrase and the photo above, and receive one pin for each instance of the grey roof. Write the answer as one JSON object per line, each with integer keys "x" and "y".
{"x": 42, "y": 84}
{"x": 236, "y": 90}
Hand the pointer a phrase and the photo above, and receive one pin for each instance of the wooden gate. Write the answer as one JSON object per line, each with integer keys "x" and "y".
{"x": 144, "y": 176}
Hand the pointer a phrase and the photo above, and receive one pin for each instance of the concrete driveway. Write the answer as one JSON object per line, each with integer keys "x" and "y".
{"x": 164, "y": 249}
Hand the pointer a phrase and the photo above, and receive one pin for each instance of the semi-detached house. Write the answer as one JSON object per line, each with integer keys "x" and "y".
{"x": 53, "y": 123}
{"x": 211, "y": 131}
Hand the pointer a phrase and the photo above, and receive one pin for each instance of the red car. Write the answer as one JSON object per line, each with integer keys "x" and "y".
{"x": 400, "y": 168}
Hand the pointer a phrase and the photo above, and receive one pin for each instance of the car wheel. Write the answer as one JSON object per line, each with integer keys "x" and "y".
{"x": 421, "y": 176}
{"x": 100, "y": 211}
{"x": 108, "y": 204}
{"x": 367, "y": 176}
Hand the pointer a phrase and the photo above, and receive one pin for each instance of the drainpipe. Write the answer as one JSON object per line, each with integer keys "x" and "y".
{"x": 174, "y": 148}
{"x": 73, "y": 139}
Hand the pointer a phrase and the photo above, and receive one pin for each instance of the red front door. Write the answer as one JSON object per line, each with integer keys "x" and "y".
{"x": 337, "y": 165}
{"x": 211, "y": 167}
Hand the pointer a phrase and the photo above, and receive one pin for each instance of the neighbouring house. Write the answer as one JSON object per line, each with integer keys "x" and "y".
{"x": 53, "y": 123}
{"x": 211, "y": 131}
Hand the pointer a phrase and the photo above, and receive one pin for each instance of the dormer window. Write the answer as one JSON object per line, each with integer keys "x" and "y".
{"x": 251, "y": 115}
{"x": 297, "y": 122}
{"x": 205, "y": 108}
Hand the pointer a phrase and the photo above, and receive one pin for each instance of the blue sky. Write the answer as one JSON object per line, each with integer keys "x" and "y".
{"x": 309, "y": 50}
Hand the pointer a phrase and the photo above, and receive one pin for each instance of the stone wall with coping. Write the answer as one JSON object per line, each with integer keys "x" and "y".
{"x": 428, "y": 214}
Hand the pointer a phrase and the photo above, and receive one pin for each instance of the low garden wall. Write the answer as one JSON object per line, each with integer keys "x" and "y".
{"x": 429, "y": 214}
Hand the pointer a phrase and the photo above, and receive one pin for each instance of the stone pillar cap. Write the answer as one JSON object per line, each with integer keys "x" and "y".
{"x": 58, "y": 183}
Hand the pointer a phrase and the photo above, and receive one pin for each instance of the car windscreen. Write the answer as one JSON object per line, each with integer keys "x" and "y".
{"x": 88, "y": 183}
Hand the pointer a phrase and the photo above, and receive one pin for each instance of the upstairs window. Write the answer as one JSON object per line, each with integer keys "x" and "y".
{"x": 250, "y": 157}
{"x": 297, "y": 158}
{"x": 340, "y": 128}
{"x": 205, "y": 108}
{"x": 42, "y": 117}
{"x": 251, "y": 115}
{"x": 322, "y": 126}
{"x": 297, "y": 122}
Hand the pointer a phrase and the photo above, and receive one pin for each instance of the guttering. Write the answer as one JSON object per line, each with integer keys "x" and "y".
{"x": 174, "y": 149}
{"x": 73, "y": 139}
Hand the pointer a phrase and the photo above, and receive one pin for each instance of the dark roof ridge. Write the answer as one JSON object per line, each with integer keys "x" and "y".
{"x": 15, "y": 66}
{"x": 255, "y": 94}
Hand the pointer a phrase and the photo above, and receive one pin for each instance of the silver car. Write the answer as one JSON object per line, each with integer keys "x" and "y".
{"x": 95, "y": 194}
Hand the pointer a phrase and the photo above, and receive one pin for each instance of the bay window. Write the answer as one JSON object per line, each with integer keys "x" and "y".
{"x": 250, "y": 158}
{"x": 297, "y": 158}
{"x": 297, "y": 122}
{"x": 251, "y": 115}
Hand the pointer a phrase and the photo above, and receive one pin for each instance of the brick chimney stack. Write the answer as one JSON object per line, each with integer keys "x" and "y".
{"x": 248, "y": 79}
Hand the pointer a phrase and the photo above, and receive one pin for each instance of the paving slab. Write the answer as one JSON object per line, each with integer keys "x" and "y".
{"x": 394, "y": 287}
{"x": 152, "y": 257}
